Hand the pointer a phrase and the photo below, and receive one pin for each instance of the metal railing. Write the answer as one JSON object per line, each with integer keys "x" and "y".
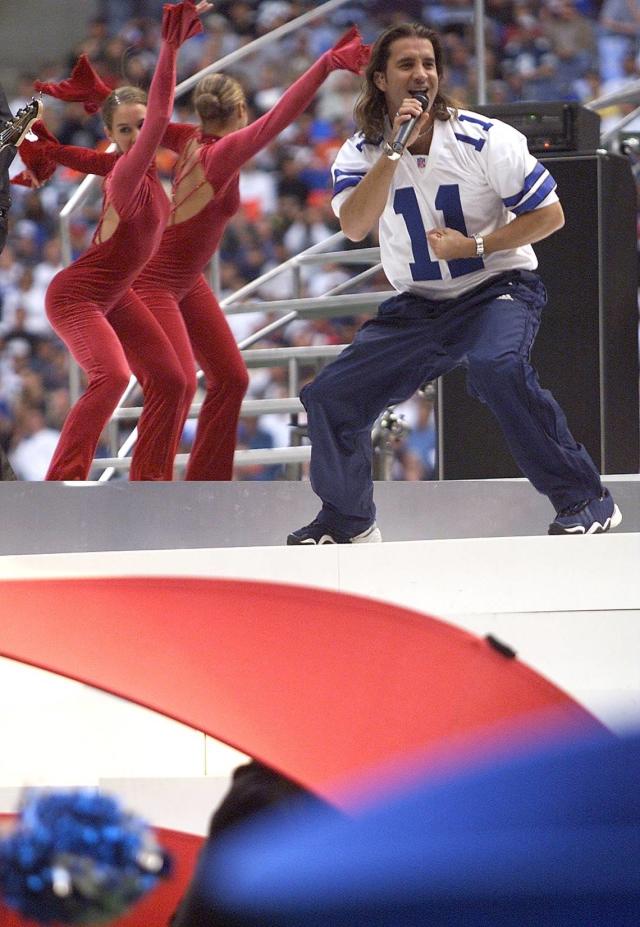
{"x": 332, "y": 303}
{"x": 628, "y": 94}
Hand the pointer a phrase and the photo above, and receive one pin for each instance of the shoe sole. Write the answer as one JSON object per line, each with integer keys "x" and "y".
{"x": 372, "y": 535}
{"x": 596, "y": 528}
{"x": 309, "y": 542}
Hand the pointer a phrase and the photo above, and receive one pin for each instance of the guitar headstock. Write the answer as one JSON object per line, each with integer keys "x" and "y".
{"x": 14, "y": 130}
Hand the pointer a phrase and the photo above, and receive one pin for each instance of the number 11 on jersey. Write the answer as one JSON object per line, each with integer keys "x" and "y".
{"x": 405, "y": 203}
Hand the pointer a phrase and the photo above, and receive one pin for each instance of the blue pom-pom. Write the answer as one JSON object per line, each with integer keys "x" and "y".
{"x": 76, "y": 857}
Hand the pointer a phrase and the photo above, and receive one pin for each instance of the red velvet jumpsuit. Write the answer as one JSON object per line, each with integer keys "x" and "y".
{"x": 172, "y": 284}
{"x": 107, "y": 335}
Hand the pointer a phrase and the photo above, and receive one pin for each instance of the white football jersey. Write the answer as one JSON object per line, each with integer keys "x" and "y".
{"x": 477, "y": 176}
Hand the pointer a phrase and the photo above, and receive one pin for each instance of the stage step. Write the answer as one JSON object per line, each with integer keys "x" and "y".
{"x": 39, "y": 518}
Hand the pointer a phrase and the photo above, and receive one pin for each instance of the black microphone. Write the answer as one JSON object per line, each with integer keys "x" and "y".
{"x": 407, "y": 128}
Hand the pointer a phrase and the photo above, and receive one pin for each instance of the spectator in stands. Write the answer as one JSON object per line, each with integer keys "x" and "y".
{"x": 420, "y": 443}
{"x": 619, "y": 35}
{"x": 241, "y": 17}
{"x": 50, "y": 264}
{"x": 529, "y": 57}
{"x": 308, "y": 228}
{"x": 115, "y": 13}
{"x": 10, "y": 271}
{"x": 18, "y": 328}
{"x": 36, "y": 443}
{"x": 573, "y": 41}
{"x": 251, "y": 436}
{"x": 290, "y": 183}
{"x": 23, "y": 308}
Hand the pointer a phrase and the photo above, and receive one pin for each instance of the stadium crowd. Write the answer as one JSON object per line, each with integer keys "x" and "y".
{"x": 538, "y": 50}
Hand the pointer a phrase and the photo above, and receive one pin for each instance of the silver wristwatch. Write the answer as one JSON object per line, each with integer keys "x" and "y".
{"x": 392, "y": 151}
{"x": 479, "y": 240}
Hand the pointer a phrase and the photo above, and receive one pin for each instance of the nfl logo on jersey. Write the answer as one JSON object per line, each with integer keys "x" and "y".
{"x": 421, "y": 162}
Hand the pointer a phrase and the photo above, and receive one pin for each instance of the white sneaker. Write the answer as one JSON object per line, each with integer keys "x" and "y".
{"x": 317, "y": 533}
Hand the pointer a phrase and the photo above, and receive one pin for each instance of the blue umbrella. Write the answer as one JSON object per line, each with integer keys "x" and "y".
{"x": 548, "y": 837}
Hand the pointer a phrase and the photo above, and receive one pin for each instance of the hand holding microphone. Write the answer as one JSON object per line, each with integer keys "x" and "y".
{"x": 394, "y": 149}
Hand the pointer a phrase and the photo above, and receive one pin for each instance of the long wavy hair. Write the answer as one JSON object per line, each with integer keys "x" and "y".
{"x": 370, "y": 109}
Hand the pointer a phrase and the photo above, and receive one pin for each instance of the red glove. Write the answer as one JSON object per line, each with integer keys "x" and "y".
{"x": 36, "y": 156}
{"x": 43, "y": 156}
{"x": 84, "y": 86}
{"x": 23, "y": 179}
{"x": 44, "y": 136}
{"x": 349, "y": 53}
{"x": 180, "y": 21}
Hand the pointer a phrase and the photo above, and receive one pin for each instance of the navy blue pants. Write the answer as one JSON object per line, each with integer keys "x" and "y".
{"x": 412, "y": 340}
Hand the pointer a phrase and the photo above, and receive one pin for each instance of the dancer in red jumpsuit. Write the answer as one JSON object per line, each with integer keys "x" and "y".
{"x": 84, "y": 302}
{"x": 205, "y": 197}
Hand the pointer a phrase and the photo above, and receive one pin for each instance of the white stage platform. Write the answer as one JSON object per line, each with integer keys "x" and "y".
{"x": 569, "y": 606}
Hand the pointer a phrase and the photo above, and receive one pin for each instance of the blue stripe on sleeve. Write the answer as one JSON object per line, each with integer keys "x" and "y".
{"x": 345, "y": 183}
{"x": 543, "y": 191}
{"x": 529, "y": 181}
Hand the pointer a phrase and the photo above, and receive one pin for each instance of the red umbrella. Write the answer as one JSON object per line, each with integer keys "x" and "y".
{"x": 320, "y": 685}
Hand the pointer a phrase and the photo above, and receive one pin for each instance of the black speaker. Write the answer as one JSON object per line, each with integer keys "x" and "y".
{"x": 550, "y": 126}
{"x": 586, "y": 351}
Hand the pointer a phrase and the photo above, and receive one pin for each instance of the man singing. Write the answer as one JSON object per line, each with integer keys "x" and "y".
{"x": 458, "y": 205}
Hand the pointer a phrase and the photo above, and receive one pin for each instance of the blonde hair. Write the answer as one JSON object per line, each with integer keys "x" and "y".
{"x": 116, "y": 98}
{"x": 216, "y": 96}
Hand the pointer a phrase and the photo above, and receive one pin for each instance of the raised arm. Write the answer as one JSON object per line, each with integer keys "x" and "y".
{"x": 179, "y": 22}
{"x": 238, "y": 147}
{"x": 43, "y": 156}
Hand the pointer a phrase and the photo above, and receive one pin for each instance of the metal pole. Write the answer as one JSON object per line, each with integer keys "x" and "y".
{"x": 613, "y": 131}
{"x": 239, "y": 53}
{"x": 628, "y": 94}
{"x": 214, "y": 273}
{"x": 479, "y": 30}
{"x": 74, "y": 370}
